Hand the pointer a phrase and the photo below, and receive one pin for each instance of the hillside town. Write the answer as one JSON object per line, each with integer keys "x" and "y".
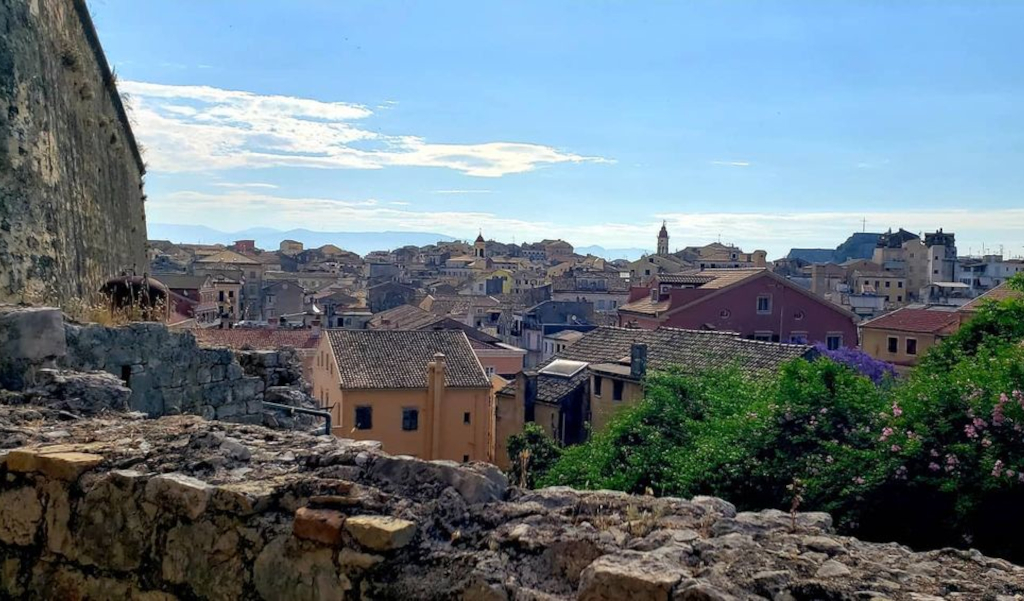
{"x": 490, "y": 419}
{"x": 526, "y": 311}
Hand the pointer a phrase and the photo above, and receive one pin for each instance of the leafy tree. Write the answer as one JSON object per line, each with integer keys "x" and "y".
{"x": 531, "y": 452}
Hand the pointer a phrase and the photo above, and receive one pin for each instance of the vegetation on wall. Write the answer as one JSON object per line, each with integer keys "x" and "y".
{"x": 934, "y": 459}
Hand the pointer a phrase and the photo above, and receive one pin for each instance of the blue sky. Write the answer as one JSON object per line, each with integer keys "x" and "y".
{"x": 771, "y": 125}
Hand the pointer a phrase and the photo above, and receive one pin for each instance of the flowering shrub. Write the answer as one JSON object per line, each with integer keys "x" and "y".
{"x": 933, "y": 459}
{"x": 877, "y": 370}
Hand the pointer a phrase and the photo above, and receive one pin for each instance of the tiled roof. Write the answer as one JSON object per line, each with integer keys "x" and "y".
{"x": 456, "y": 304}
{"x": 402, "y": 317}
{"x": 689, "y": 278}
{"x": 925, "y": 321}
{"x": 689, "y": 350}
{"x": 999, "y": 293}
{"x": 395, "y": 359}
{"x": 647, "y": 306}
{"x": 228, "y": 256}
{"x": 723, "y": 278}
{"x": 181, "y": 281}
{"x": 257, "y": 338}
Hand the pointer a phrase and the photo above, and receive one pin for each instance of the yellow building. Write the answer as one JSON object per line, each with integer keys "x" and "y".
{"x": 420, "y": 393}
{"x": 903, "y": 336}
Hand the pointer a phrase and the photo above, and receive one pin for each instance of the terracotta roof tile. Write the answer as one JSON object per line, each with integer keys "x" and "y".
{"x": 931, "y": 321}
{"x": 395, "y": 359}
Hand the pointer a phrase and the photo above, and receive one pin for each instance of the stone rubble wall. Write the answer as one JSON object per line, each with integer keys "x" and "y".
{"x": 72, "y": 208}
{"x": 116, "y": 507}
{"x": 167, "y": 371}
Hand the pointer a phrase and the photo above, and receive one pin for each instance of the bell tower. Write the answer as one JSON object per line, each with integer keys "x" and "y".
{"x": 663, "y": 241}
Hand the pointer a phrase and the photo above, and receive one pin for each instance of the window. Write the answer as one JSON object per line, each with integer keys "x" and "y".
{"x": 899, "y": 284}
{"x": 410, "y": 419}
{"x": 489, "y": 370}
{"x": 616, "y": 390}
{"x": 765, "y": 335}
{"x": 798, "y": 337}
{"x": 364, "y": 417}
{"x": 888, "y": 284}
{"x": 899, "y": 298}
{"x": 466, "y": 417}
{"x": 597, "y": 385}
{"x": 465, "y": 459}
{"x": 894, "y": 344}
{"x": 764, "y": 304}
{"x": 834, "y": 341}
{"x": 911, "y": 346}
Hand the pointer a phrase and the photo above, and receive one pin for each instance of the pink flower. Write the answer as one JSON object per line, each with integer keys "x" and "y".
{"x": 997, "y": 469}
{"x": 934, "y": 466}
{"x": 823, "y": 410}
{"x": 895, "y": 448}
{"x": 1010, "y": 473}
{"x": 979, "y": 423}
{"x": 829, "y": 459}
{"x": 858, "y": 480}
{"x": 986, "y": 442}
{"x": 934, "y": 453}
{"x": 886, "y": 433}
{"x": 896, "y": 411}
{"x": 970, "y": 431}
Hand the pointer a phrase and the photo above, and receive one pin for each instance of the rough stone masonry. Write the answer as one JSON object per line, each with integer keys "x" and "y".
{"x": 118, "y": 506}
{"x": 71, "y": 201}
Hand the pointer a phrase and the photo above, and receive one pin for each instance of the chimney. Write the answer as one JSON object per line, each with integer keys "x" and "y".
{"x": 638, "y": 361}
{"x": 526, "y": 392}
{"x": 315, "y": 330}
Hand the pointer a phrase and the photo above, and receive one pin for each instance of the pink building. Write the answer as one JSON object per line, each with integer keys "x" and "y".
{"x": 755, "y": 303}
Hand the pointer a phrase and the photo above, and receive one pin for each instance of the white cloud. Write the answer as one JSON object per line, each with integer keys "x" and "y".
{"x": 202, "y": 128}
{"x": 399, "y": 203}
{"x": 731, "y": 163}
{"x": 773, "y": 232}
{"x": 460, "y": 191}
{"x": 245, "y": 185}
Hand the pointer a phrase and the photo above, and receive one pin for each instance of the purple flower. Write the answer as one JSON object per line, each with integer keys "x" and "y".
{"x": 934, "y": 466}
{"x": 970, "y": 431}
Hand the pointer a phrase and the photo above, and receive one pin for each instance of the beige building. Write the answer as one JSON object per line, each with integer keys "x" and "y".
{"x": 892, "y": 286}
{"x": 420, "y": 393}
{"x": 903, "y": 336}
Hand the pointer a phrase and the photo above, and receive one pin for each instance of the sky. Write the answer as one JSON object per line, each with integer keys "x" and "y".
{"x": 770, "y": 125}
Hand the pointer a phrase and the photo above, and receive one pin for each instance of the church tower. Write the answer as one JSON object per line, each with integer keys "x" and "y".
{"x": 479, "y": 246}
{"x": 663, "y": 241}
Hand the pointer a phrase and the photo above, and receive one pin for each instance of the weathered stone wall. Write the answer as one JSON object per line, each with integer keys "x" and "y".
{"x": 167, "y": 371}
{"x": 71, "y": 200}
{"x": 181, "y": 508}
{"x": 281, "y": 367}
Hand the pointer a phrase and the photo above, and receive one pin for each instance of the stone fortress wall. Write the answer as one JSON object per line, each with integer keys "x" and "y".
{"x": 71, "y": 201}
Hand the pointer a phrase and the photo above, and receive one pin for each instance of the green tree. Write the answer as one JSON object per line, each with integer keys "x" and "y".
{"x": 532, "y": 453}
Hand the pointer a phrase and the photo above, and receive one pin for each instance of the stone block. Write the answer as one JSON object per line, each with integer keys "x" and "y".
{"x": 351, "y": 560}
{"x": 319, "y": 525}
{"x": 289, "y": 568}
{"x": 234, "y": 371}
{"x": 243, "y": 498}
{"x": 217, "y": 373}
{"x": 20, "y": 515}
{"x": 203, "y": 374}
{"x": 380, "y": 533}
{"x": 629, "y": 575}
{"x": 206, "y": 559}
{"x": 67, "y": 466}
{"x": 179, "y": 493}
{"x": 58, "y": 518}
{"x": 32, "y": 333}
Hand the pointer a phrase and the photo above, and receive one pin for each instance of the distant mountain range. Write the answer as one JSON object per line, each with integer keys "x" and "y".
{"x": 611, "y": 254}
{"x": 270, "y": 239}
